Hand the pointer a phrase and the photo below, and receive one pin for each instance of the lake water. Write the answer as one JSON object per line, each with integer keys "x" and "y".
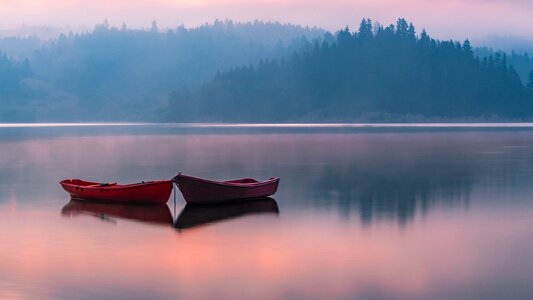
{"x": 361, "y": 213}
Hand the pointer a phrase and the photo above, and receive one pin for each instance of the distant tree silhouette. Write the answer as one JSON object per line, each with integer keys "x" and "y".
{"x": 365, "y": 29}
{"x": 11, "y": 72}
{"x": 521, "y": 62}
{"x": 375, "y": 73}
{"x": 154, "y": 28}
{"x": 344, "y": 37}
{"x": 102, "y": 27}
{"x": 467, "y": 48}
{"x": 402, "y": 28}
{"x": 122, "y": 74}
{"x": 530, "y": 80}
{"x": 411, "y": 31}
{"x": 389, "y": 75}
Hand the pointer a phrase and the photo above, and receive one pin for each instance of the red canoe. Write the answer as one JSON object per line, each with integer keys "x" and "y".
{"x": 198, "y": 190}
{"x": 145, "y": 192}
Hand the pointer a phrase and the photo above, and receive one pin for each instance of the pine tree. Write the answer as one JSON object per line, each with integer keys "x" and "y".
{"x": 402, "y": 27}
{"x": 365, "y": 29}
{"x": 344, "y": 37}
{"x": 467, "y": 48}
{"x": 411, "y": 33}
{"x": 154, "y": 28}
{"x": 530, "y": 80}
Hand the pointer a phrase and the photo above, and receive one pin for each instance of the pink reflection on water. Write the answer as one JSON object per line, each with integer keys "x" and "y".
{"x": 309, "y": 257}
{"x": 308, "y": 251}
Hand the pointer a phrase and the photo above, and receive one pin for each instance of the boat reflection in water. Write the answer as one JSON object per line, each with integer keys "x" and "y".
{"x": 196, "y": 215}
{"x": 149, "y": 213}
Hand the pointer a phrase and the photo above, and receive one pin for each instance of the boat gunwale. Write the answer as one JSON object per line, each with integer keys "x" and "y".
{"x": 111, "y": 187}
{"x": 227, "y": 183}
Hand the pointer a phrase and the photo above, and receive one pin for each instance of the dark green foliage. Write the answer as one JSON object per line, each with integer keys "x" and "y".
{"x": 530, "y": 80}
{"x": 110, "y": 64}
{"x": 288, "y": 73}
{"x": 391, "y": 72}
{"x": 121, "y": 74}
{"x": 523, "y": 63}
{"x": 11, "y": 72}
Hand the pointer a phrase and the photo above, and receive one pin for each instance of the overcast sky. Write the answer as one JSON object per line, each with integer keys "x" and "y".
{"x": 457, "y": 19}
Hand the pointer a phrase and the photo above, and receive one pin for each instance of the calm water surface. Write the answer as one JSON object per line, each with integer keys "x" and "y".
{"x": 361, "y": 213}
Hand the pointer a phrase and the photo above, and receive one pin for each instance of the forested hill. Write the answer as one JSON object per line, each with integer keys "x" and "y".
{"x": 376, "y": 74}
{"x": 286, "y": 73}
{"x": 11, "y": 72}
{"x": 121, "y": 74}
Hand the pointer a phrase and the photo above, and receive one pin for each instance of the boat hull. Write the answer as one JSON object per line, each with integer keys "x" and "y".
{"x": 155, "y": 192}
{"x": 202, "y": 191}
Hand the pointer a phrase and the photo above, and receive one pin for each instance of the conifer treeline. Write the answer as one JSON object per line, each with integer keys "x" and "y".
{"x": 11, "y": 72}
{"x": 377, "y": 71}
{"x": 126, "y": 74}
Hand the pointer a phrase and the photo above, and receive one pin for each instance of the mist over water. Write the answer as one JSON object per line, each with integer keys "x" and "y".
{"x": 401, "y": 131}
{"x": 364, "y": 213}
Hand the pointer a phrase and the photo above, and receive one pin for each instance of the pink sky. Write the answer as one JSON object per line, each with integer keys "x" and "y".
{"x": 443, "y": 18}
